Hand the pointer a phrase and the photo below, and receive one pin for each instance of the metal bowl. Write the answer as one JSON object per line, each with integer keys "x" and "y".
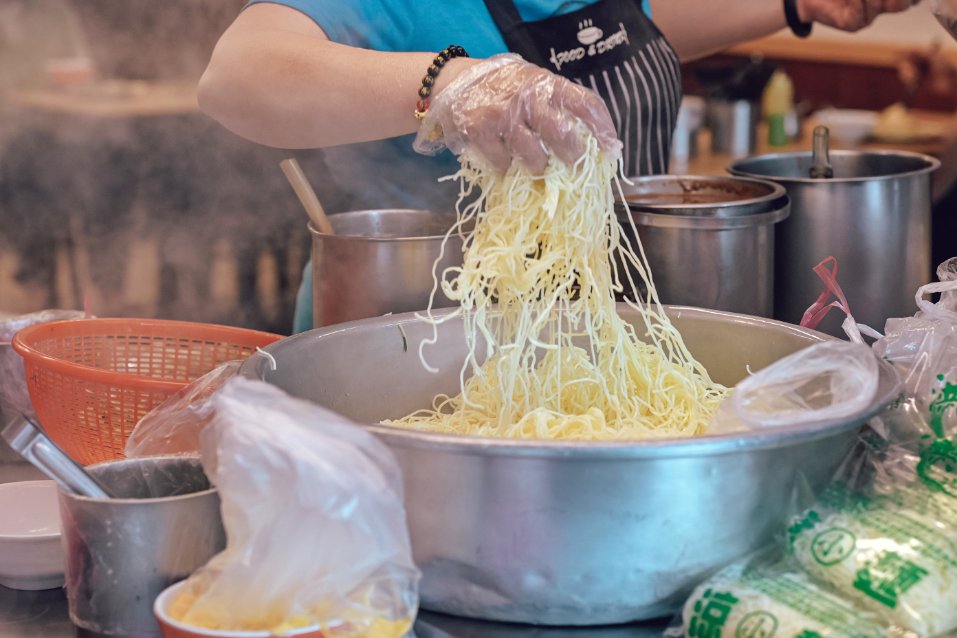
{"x": 559, "y": 532}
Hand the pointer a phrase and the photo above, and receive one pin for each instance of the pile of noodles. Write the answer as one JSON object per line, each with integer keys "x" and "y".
{"x": 549, "y": 357}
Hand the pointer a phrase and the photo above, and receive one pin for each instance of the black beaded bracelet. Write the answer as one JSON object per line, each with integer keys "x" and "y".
{"x": 428, "y": 80}
{"x": 798, "y": 27}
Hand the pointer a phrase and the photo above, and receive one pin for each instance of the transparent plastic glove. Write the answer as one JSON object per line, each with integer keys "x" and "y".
{"x": 946, "y": 13}
{"x": 505, "y": 108}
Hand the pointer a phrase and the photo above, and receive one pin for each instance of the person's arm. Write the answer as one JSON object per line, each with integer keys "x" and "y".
{"x": 697, "y": 28}
{"x": 275, "y": 78}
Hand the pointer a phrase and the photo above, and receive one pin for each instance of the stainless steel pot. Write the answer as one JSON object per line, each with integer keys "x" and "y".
{"x": 873, "y": 216}
{"x": 122, "y": 552}
{"x": 574, "y": 533}
{"x": 379, "y": 261}
{"x": 709, "y": 240}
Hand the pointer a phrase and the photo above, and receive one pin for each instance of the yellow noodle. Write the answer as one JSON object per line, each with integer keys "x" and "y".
{"x": 536, "y": 295}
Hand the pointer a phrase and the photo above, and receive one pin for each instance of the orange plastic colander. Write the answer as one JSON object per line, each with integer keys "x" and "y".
{"x": 91, "y": 380}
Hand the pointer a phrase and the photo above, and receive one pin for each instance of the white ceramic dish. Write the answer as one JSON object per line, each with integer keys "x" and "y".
{"x": 848, "y": 126}
{"x": 31, "y": 556}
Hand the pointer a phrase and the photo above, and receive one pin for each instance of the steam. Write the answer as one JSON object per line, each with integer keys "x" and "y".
{"x": 115, "y": 191}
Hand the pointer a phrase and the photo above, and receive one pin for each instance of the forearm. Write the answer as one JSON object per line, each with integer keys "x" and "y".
{"x": 696, "y": 28}
{"x": 292, "y": 90}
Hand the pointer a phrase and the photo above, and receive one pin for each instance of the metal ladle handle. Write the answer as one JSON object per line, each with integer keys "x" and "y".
{"x": 32, "y": 443}
{"x": 820, "y": 154}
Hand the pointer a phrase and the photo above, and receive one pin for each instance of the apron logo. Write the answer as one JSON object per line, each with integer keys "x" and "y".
{"x": 590, "y": 37}
{"x": 589, "y": 34}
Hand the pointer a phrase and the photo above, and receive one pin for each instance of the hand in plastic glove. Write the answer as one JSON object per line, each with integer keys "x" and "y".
{"x": 946, "y": 12}
{"x": 849, "y": 15}
{"x": 504, "y": 108}
{"x": 920, "y": 68}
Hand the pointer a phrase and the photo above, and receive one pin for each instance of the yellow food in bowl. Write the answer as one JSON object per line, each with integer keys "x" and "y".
{"x": 182, "y": 609}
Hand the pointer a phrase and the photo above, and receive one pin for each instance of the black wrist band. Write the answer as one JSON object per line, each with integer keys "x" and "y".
{"x": 798, "y": 27}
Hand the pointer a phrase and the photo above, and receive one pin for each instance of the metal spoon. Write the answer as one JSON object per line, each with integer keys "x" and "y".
{"x": 27, "y": 438}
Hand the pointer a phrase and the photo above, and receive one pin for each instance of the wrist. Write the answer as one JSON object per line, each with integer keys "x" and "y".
{"x": 453, "y": 69}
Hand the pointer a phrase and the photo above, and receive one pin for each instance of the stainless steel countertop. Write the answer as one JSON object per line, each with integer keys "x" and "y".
{"x": 44, "y": 614}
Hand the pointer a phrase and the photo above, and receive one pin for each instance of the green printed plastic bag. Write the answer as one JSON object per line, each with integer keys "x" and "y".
{"x": 923, "y": 350}
{"x": 761, "y": 598}
{"x": 885, "y": 535}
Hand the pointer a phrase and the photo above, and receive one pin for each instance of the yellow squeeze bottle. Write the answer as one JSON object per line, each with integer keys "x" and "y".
{"x": 777, "y": 101}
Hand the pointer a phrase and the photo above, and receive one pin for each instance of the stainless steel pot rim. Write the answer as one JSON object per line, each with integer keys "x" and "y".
{"x": 889, "y": 388}
{"x": 142, "y": 501}
{"x": 744, "y": 206}
{"x": 367, "y": 238}
{"x": 931, "y": 164}
{"x": 712, "y": 222}
{"x": 706, "y": 445}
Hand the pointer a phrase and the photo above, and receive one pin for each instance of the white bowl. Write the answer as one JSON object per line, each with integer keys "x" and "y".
{"x": 847, "y": 126}
{"x": 31, "y": 556}
{"x": 175, "y": 629}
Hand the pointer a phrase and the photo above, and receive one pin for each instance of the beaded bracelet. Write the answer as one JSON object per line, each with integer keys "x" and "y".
{"x": 428, "y": 80}
{"x": 798, "y": 27}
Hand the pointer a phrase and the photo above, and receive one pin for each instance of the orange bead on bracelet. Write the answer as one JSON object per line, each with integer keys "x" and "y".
{"x": 428, "y": 80}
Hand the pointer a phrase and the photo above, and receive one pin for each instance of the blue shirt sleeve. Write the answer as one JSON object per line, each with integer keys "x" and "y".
{"x": 418, "y": 25}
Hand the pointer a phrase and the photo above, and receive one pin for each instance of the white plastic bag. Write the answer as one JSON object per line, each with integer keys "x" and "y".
{"x": 312, "y": 506}
{"x": 923, "y": 349}
{"x": 885, "y": 536}
{"x": 14, "y": 396}
{"x": 762, "y": 596}
{"x": 175, "y": 425}
{"x": 825, "y": 381}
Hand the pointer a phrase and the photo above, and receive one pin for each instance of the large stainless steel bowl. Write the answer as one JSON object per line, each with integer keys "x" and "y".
{"x": 554, "y": 532}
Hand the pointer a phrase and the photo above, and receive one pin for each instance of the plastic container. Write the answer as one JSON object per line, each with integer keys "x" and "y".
{"x": 777, "y": 102}
{"x": 91, "y": 380}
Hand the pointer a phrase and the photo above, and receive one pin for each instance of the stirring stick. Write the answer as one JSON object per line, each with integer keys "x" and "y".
{"x": 292, "y": 170}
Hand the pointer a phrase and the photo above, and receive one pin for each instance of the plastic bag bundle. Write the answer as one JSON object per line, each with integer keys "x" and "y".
{"x": 923, "y": 349}
{"x": 825, "y": 381}
{"x": 884, "y": 536}
{"x": 312, "y": 507}
{"x": 14, "y": 396}
{"x": 760, "y": 596}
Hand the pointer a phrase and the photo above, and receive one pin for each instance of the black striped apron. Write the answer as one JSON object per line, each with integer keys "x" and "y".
{"x": 611, "y": 47}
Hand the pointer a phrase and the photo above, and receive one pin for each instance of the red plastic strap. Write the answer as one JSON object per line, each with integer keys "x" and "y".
{"x": 819, "y": 309}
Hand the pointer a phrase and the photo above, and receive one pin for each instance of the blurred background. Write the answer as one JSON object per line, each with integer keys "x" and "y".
{"x": 118, "y": 196}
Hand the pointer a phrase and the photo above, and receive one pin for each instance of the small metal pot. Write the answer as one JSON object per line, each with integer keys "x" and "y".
{"x": 122, "y": 552}
{"x": 709, "y": 240}
{"x": 733, "y": 125}
{"x": 873, "y": 216}
{"x": 380, "y": 261}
